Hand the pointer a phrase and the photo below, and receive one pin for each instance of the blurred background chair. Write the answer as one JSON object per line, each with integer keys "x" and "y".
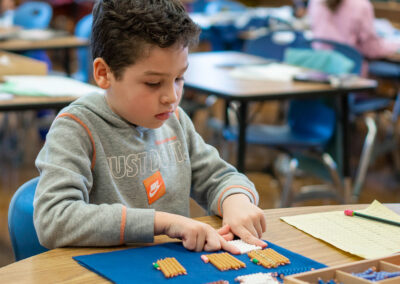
{"x": 217, "y": 6}
{"x": 308, "y": 129}
{"x": 390, "y": 72}
{"x": 224, "y": 36}
{"x": 359, "y": 104}
{"x": 34, "y": 15}
{"x": 83, "y": 29}
{"x": 274, "y": 44}
{"x": 23, "y": 235}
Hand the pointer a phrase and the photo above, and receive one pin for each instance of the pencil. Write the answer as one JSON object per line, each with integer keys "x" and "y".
{"x": 353, "y": 213}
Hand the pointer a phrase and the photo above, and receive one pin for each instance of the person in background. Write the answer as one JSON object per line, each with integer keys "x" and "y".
{"x": 299, "y": 8}
{"x": 6, "y": 13}
{"x": 350, "y": 22}
{"x": 121, "y": 167}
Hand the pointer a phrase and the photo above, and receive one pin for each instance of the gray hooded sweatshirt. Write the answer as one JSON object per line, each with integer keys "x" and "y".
{"x": 102, "y": 178}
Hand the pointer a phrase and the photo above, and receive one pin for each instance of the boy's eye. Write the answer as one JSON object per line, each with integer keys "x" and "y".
{"x": 152, "y": 84}
{"x": 180, "y": 79}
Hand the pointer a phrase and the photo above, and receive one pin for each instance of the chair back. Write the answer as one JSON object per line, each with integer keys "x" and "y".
{"x": 83, "y": 29}
{"x": 311, "y": 119}
{"x": 33, "y": 15}
{"x": 23, "y": 235}
{"x": 222, "y": 6}
{"x": 199, "y": 6}
{"x": 274, "y": 44}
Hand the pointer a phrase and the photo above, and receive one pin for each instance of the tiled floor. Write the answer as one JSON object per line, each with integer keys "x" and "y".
{"x": 381, "y": 184}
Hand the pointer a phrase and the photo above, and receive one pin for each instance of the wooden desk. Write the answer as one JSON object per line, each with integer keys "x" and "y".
{"x": 21, "y": 65}
{"x": 206, "y": 75}
{"x": 18, "y": 103}
{"x": 58, "y": 266}
{"x": 58, "y": 42}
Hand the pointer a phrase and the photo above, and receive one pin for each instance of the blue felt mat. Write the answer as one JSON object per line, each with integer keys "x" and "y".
{"x": 135, "y": 265}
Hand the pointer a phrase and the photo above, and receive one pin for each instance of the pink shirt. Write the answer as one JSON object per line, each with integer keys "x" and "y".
{"x": 352, "y": 23}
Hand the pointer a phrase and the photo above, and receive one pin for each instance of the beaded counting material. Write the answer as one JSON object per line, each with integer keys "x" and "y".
{"x": 332, "y": 281}
{"x": 170, "y": 267}
{"x": 223, "y": 261}
{"x": 243, "y": 247}
{"x": 257, "y": 278}
{"x": 372, "y": 275}
{"x": 268, "y": 258}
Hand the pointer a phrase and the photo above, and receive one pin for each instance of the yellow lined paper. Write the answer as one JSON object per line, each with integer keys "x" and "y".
{"x": 363, "y": 237}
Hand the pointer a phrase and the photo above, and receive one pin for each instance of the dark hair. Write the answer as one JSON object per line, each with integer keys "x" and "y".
{"x": 333, "y": 4}
{"x": 123, "y": 30}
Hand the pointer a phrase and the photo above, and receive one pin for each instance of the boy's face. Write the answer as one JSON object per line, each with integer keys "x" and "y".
{"x": 150, "y": 90}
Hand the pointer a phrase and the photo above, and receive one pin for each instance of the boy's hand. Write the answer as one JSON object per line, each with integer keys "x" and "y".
{"x": 195, "y": 235}
{"x": 245, "y": 219}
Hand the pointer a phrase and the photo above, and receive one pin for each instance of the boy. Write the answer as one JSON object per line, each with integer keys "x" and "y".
{"x": 121, "y": 168}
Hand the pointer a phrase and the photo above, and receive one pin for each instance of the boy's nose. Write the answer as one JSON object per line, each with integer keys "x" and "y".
{"x": 170, "y": 96}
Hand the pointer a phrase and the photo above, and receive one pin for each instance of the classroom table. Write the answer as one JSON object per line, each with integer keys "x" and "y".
{"x": 64, "y": 42}
{"x": 57, "y": 265}
{"x": 14, "y": 64}
{"x": 22, "y": 65}
{"x": 59, "y": 42}
{"x": 22, "y": 103}
{"x": 209, "y": 73}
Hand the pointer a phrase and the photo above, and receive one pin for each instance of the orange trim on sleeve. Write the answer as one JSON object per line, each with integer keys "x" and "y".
{"x": 123, "y": 223}
{"x": 229, "y": 187}
{"x": 177, "y": 113}
{"x": 87, "y": 130}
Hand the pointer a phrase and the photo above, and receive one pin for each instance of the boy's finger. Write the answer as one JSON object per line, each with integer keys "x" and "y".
{"x": 258, "y": 228}
{"x": 200, "y": 241}
{"x": 263, "y": 224}
{"x": 228, "y": 237}
{"x": 228, "y": 247}
{"x": 189, "y": 243}
{"x": 249, "y": 229}
{"x": 224, "y": 230}
{"x": 249, "y": 238}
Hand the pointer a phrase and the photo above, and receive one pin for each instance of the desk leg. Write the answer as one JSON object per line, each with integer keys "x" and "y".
{"x": 241, "y": 154}
{"x": 346, "y": 146}
{"x": 67, "y": 65}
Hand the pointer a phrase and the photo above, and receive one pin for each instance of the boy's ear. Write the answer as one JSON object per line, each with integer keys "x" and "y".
{"x": 101, "y": 73}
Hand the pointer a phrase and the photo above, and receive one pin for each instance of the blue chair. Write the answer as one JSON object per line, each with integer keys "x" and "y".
{"x": 274, "y": 44}
{"x": 217, "y": 6}
{"x": 389, "y": 71}
{"x": 358, "y": 106}
{"x": 33, "y": 15}
{"x": 223, "y": 36}
{"x": 83, "y": 29}
{"x": 23, "y": 235}
{"x": 198, "y": 6}
{"x": 308, "y": 130}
